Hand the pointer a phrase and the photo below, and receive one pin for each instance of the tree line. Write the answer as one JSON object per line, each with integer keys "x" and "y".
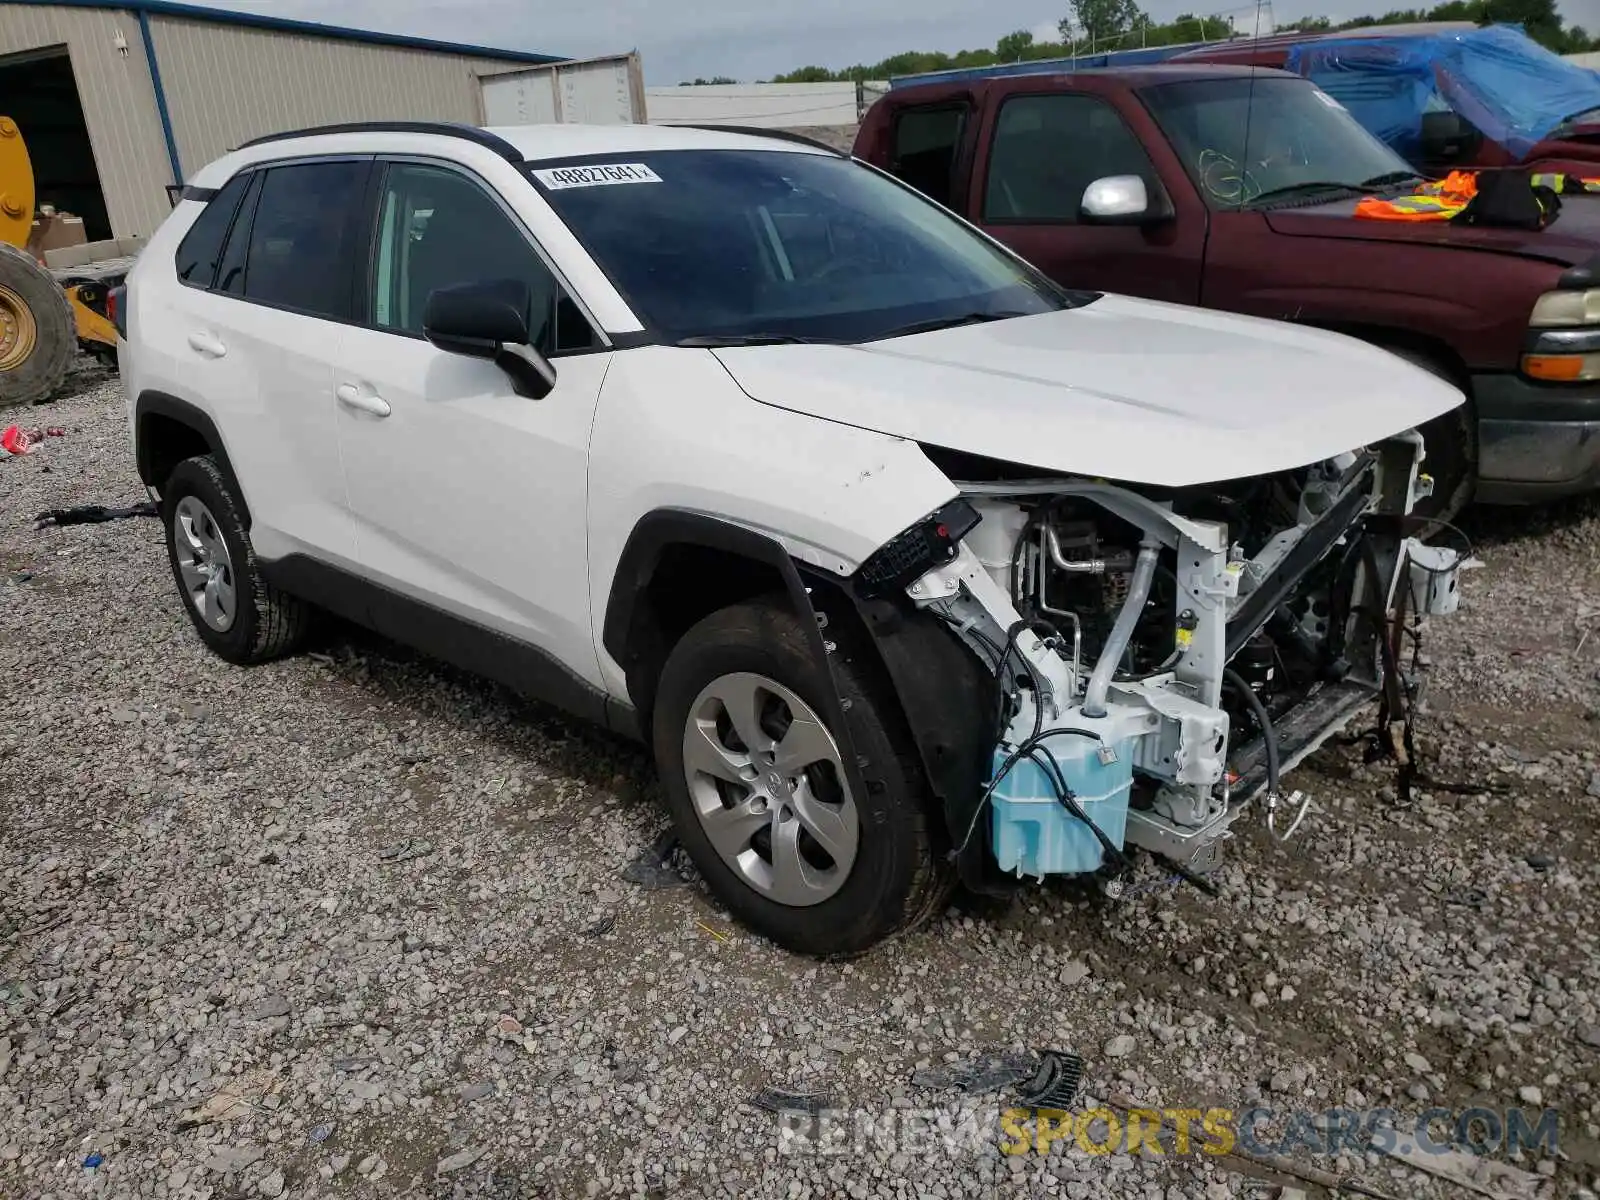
{"x": 1099, "y": 26}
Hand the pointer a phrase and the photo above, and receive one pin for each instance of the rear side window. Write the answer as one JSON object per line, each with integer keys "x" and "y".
{"x": 201, "y": 247}
{"x": 1048, "y": 149}
{"x": 926, "y": 142}
{"x": 303, "y": 237}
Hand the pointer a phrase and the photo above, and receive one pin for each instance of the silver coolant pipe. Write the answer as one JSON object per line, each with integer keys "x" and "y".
{"x": 1144, "y": 570}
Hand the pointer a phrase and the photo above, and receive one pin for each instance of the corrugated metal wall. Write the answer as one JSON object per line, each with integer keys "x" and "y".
{"x": 118, "y": 103}
{"x": 224, "y": 85}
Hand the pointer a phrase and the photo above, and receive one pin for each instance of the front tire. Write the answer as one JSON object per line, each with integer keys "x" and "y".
{"x": 755, "y": 782}
{"x": 1451, "y": 443}
{"x": 240, "y": 616}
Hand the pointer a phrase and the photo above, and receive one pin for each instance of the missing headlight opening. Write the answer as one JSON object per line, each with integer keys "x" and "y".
{"x": 1165, "y": 656}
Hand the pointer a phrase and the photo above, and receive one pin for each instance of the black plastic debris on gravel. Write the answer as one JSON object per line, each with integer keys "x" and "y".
{"x": 986, "y": 1073}
{"x": 663, "y": 865}
{"x": 1057, "y": 1082}
{"x": 601, "y": 927}
{"x": 780, "y": 1100}
{"x": 405, "y": 851}
{"x": 1051, "y": 1079}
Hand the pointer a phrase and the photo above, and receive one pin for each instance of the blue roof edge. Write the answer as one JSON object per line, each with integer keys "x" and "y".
{"x": 223, "y": 16}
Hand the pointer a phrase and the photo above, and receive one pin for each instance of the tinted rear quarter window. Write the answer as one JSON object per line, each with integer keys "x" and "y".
{"x": 302, "y": 239}
{"x": 926, "y": 141}
{"x": 197, "y": 256}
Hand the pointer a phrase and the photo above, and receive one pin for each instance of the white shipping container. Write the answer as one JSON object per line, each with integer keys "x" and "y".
{"x": 592, "y": 91}
{"x": 757, "y": 105}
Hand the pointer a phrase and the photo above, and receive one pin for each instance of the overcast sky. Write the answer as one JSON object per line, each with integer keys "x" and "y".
{"x": 755, "y": 39}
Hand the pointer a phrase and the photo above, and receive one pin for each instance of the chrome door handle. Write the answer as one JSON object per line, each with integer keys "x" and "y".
{"x": 208, "y": 344}
{"x": 362, "y": 401}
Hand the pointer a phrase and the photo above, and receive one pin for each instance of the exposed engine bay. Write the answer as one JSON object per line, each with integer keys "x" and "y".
{"x": 1164, "y": 656}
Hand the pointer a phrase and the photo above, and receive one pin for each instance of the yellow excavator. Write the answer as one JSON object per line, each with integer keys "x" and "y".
{"x": 45, "y": 315}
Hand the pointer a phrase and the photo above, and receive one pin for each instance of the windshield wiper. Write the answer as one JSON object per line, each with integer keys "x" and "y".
{"x": 715, "y": 341}
{"x": 1294, "y": 189}
{"x": 971, "y": 318}
{"x": 1389, "y": 177}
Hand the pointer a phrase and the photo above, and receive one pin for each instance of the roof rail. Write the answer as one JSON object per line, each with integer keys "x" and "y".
{"x": 782, "y": 135}
{"x": 470, "y": 133}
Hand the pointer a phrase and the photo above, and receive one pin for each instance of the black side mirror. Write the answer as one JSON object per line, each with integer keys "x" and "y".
{"x": 1447, "y": 138}
{"x": 490, "y": 320}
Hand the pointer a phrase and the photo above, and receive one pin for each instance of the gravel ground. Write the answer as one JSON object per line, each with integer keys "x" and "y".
{"x": 355, "y": 925}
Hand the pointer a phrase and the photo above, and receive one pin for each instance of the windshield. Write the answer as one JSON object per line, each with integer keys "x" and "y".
{"x": 776, "y": 244}
{"x": 1298, "y": 136}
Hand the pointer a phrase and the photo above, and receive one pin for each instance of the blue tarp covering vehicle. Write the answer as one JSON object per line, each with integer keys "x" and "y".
{"x": 1512, "y": 90}
{"x": 1444, "y": 96}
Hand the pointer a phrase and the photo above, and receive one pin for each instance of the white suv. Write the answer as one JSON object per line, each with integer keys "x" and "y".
{"x": 909, "y": 564}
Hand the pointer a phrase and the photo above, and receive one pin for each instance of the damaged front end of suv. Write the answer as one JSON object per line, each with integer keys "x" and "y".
{"x": 1089, "y": 667}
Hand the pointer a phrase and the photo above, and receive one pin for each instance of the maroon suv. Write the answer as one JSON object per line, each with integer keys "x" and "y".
{"x": 1237, "y": 189}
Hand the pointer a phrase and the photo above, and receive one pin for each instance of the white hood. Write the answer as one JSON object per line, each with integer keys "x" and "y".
{"x": 1131, "y": 390}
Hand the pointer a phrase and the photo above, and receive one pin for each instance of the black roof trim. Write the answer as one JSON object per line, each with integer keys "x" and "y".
{"x": 781, "y": 135}
{"x": 469, "y": 133}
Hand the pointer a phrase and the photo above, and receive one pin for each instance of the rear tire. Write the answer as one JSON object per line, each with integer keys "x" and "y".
{"x": 236, "y": 612}
{"x": 38, "y": 334}
{"x": 759, "y": 656}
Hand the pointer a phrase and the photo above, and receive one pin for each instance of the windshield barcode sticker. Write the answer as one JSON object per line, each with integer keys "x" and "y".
{"x": 599, "y": 175}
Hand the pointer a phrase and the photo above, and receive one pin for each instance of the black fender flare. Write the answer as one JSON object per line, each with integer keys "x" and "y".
{"x": 155, "y": 403}
{"x": 652, "y": 536}
{"x": 949, "y": 699}
{"x": 659, "y": 530}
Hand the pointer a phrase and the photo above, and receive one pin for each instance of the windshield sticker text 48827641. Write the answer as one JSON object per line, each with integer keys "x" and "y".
{"x": 597, "y": 175}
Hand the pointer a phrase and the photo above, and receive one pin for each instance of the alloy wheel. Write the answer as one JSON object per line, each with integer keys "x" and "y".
{"x": 768, "y": 785}
{"x": 204, "y": 563}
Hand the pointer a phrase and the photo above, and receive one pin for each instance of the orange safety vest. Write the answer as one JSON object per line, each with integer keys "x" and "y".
{"x": 1442, "y": 200}
{"x": 1565, "y": 183}
{"x": 1437, "y": 201}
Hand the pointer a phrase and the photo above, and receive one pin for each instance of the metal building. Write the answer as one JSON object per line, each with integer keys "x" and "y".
{"x": 119, "y": 99}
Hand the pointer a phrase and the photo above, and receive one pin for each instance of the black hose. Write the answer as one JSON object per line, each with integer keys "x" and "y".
{"x": 1024, "y": 540}
{"x": 1034, "y": 678}
{"x": 1259, "y": 710}
{"x": 1052, "y": 771}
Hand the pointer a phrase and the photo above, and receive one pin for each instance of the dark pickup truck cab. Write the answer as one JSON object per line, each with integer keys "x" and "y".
{"x": 1236, "y": 188}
